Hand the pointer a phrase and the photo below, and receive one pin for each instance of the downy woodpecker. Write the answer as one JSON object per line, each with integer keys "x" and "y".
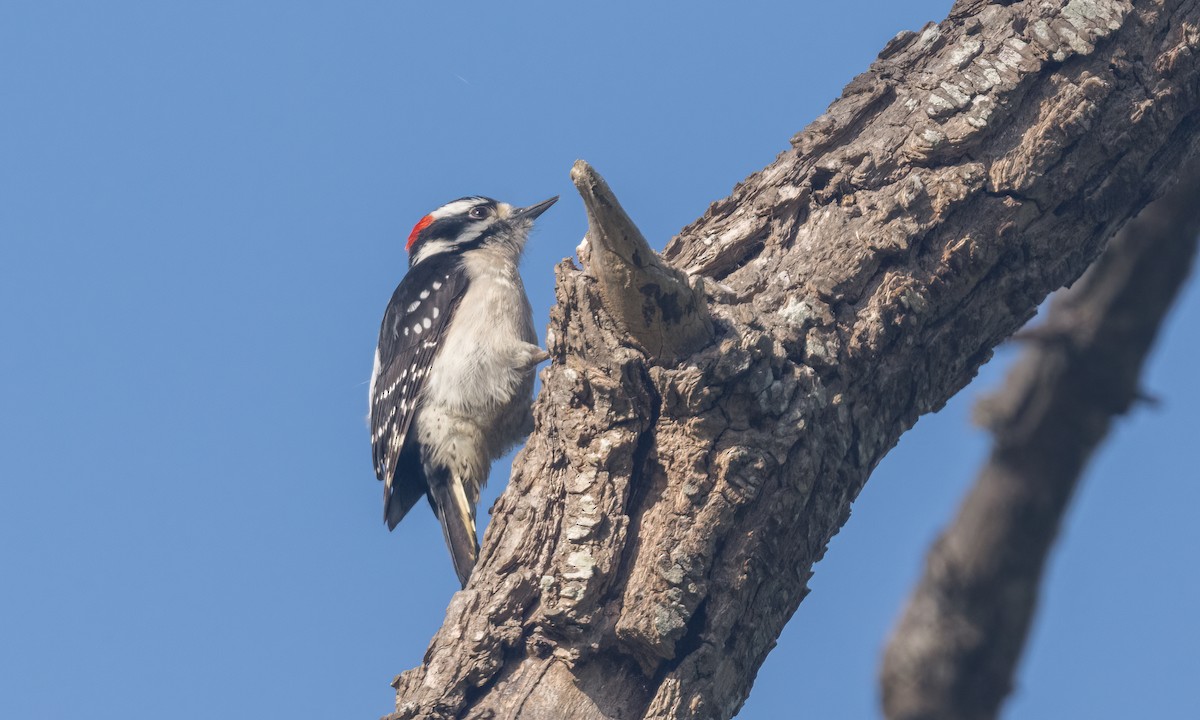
{"x": 453, "y": 378}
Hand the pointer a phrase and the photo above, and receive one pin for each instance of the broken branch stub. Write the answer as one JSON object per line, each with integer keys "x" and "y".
{"x": 653, "y": 302}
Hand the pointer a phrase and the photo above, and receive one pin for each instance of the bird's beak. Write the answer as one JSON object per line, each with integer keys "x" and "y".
{"x": 531, "y": 212}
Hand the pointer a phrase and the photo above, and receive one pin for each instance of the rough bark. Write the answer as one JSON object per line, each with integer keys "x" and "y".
{"x": 662, "y": 521}
{"x": 955, "y": 650}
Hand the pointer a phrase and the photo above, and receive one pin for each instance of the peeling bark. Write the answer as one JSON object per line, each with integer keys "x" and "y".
{"x": 662, "y": 521}
{"x": 954, "y": 652}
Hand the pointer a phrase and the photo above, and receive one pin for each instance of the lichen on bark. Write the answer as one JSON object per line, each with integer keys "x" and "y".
{"x": 664, "y": 517}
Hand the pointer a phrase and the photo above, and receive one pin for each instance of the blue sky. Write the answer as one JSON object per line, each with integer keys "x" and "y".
{"x": 202, "y": 214}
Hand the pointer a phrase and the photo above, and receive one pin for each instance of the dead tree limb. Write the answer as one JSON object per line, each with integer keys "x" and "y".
{"x": 662, "y": 521}
{"x": 955, "y": 650}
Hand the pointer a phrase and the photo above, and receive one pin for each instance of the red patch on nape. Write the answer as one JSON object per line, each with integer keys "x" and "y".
{"x": 421, "y": 225}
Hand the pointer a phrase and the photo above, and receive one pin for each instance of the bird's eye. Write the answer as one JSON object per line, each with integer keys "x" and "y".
{"x": 478, "y": 213}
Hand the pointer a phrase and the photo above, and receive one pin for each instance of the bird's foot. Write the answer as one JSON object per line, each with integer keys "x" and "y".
{"x": 534, "y": 356}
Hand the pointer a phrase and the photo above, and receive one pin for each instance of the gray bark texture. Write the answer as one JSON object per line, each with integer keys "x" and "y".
{"x": 689, "y": 465}
{"x": 955, "y": 650}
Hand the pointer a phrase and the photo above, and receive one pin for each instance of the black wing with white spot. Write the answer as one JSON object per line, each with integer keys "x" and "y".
{"x": 413, "y": 325}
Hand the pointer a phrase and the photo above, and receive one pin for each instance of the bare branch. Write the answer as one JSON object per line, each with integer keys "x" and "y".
{"x": 955, "y": 650}
{"x": 662, "y": 521}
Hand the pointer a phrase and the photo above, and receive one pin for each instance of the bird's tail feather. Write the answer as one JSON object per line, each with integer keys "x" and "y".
{"x": 457, "y": 516}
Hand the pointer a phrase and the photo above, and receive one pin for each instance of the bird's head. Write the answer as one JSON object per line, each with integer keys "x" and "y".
{"x": 469, "y": 223}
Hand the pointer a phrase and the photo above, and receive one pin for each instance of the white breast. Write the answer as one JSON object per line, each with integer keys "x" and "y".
{"x": 482, "y": 363}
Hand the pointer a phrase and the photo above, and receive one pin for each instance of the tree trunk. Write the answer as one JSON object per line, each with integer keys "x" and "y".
{"x": 955, "y": 650}
{"x": 705, "y": 425}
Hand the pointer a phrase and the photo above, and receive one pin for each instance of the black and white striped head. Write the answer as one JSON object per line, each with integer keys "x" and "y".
{"x": 469, "y": 223}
